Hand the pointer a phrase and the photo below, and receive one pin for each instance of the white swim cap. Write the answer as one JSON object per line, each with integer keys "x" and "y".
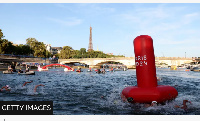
{"x": 154, "y": 101}
{"x": 7, "y": 85}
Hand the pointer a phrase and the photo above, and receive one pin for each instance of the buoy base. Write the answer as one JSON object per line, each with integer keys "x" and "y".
{"x": 161, "y": 94}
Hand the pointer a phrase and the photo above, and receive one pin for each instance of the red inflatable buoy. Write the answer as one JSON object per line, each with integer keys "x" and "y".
{"x": 147, "y": 89}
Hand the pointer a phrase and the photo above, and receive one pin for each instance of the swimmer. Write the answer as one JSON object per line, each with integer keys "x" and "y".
{"x": 26, "y": 83}
{"x": 20, "y": 71}
{"x": 158, "y": 78}
{"x": 131, "y": 100}
{"x": 10, "y": 69}
{"x": 98, "y": 71}
{"x": 37, "y": 86}
{"x": 7, "y": 88}
{"x": 103, "y": 71}
{"x": 184, "y": 105}
{"x": 153, "y": 103}
{"x": 111, "y": 69}
{"x": 79, "y": 70}
{"x": 27, "y": 69}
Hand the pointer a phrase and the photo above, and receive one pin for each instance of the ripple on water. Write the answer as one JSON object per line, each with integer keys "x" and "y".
{"x": 90, "y": 93}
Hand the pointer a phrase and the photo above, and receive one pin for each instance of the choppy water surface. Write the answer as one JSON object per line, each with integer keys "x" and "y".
{"x": 88, "y": 93}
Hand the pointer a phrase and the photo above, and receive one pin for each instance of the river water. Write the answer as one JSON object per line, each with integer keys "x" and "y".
{"x": 88, "y": 93}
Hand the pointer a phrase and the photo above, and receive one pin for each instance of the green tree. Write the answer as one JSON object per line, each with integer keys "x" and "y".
{"x": 6, "y": 47}
{"x": 38, "y": 48}
{"x": 101, "y": 55}
{"x": 76, "y": 54}
{"x": 57, "y": 55}
{"x": 83, "y": 53}
{"x": 92, "y": 54}
{"x": 48, "y": 54}
{"x": 1, "y": 34}
{"x": 22, "y": 50}
{"x": 31, "y": 42}
{"x": 66, "y": 53}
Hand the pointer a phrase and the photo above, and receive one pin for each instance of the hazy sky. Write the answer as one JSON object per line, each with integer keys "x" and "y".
{"x": 174, "y": 27}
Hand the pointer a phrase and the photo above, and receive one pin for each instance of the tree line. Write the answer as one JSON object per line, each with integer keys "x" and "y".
{"x": 32, "y": 47}
{"x": 68, "y": 52}
{"x": 38, "y": 49}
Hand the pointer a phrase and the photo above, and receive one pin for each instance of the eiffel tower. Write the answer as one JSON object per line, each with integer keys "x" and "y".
{"x": 90, "y": 47}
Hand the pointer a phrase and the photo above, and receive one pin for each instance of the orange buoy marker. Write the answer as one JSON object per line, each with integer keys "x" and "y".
{"x": 147, "y": 89}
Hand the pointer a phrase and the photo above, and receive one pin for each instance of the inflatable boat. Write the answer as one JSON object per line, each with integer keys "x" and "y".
{"x": 7, "y": 72}
{"x": 27, "y": 73}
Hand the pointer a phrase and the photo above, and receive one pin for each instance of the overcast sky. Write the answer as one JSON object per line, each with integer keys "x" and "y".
{"x": 174, "y": 27}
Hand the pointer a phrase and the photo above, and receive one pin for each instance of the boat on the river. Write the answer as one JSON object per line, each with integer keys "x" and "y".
{"x": 197, "y": 69}
{"x": 27, "y": 73}
{"x": 7, "y": 72}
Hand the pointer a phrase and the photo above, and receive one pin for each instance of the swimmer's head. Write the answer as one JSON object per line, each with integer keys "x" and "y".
{"x": 154, "y": 102}
{"x": 130, "y": 99}
{"x": 8, "y": 87}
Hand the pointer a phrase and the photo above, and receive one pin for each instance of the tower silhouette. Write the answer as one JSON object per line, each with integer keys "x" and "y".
{"x": 90, "y": 47}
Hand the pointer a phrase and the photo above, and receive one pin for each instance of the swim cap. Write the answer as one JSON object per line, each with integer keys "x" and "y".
{"x": 7, "y": 85}
{"x": 154, "y": 101}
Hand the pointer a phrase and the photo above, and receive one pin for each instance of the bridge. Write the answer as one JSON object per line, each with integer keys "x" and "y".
{"x": 128, "y": 61}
